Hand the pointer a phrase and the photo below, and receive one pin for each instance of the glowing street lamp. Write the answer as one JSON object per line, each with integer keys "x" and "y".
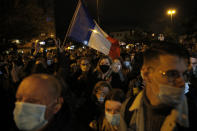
{"x": 171, "y": 13}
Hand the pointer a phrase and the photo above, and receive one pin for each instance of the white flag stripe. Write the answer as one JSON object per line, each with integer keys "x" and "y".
{"x": 99, "y": 42}
{"x": 103, "y": 32}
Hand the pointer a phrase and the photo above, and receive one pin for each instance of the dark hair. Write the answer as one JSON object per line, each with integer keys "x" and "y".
{"x": 162, "y": 48}
{"x": 120, "y": 59}
{"x": 39, "y": 68}
{"x": 85, "y": 58}
{"x": 105, "y": 57}
{"x": 193, "y": 54}
{"x": 116, "y": 95}
{"x": 100, "y": 84}
{"x": 18, "y": 61}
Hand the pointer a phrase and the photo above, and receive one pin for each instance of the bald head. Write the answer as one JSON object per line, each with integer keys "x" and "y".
{"x": 40, "y": 87}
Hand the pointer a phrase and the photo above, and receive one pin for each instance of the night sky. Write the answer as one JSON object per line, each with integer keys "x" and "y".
{"x": 117, "y": 14}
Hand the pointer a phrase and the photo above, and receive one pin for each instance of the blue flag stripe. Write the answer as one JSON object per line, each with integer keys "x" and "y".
{"x": 82, "y": 25}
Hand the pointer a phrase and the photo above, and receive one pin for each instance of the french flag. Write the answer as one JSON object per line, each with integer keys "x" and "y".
{"x": 85, "y": 30}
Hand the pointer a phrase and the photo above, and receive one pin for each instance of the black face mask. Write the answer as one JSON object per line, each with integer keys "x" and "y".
{"x": 104, "y": 68}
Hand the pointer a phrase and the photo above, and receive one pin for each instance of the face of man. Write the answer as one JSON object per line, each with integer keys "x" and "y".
{"x": 168, "y": 70}
{"x": 37, "y": 91}
{"x": 112, "y": 107}
{"x": 112, "y": 112}
{"x": 85, "y": 65}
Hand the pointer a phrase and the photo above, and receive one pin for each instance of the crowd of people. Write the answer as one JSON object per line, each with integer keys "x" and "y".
{"x": 144, "y": 89}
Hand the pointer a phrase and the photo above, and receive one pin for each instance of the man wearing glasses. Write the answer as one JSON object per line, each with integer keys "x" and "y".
{"x": 161, "y": 105}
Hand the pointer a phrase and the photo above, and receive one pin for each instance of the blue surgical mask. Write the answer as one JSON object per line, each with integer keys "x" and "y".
{"x": 101, "y": 99}
{"x": 113, "y": 119}
{"x": 127, "y": 63}
{"x": 170, "y": 95}
{"x": 28, "y": 116}
{"x": 49, "y": 62}
{"x": 186, "y": 87}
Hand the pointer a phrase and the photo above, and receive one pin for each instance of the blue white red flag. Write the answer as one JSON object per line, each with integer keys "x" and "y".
{"x": 85, "y": 30}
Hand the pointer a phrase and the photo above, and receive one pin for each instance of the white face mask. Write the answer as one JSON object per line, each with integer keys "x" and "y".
{"x": 101, "y": 99}
{"x": 194, "y": 68}
{"x": 113, "y": 119}
{"x": 28, "y": 116}
{"x": 195, "y": 71}
{"x": 127, "y": 63}
{"x": 49, "y": 62}
{"x": 170, "y": 95}
{"x": 186, "y": 87}
{"x": 116, "y": 67}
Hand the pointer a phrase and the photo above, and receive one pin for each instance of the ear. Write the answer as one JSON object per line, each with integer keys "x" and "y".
{"x": 59, "y": 104}
{"x": 145, "y": 73}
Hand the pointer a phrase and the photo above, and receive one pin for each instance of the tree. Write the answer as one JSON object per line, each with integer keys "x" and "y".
{"x": 25, "y": 20}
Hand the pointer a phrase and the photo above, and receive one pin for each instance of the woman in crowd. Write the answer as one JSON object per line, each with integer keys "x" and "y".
{"x": 109, "y": 120}
{"x": 103, "y": 70}
{"x": 93, "y": 107}
{"x": 83, "y": 79}
{"x": 118, "y": 78}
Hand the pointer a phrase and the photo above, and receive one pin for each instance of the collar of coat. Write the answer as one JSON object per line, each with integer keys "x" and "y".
{"x": 178, "y": 115}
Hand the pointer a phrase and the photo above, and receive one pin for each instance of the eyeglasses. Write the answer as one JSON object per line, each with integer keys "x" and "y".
{"x": 85, "y": 64}
{"x": 172, "y": 75}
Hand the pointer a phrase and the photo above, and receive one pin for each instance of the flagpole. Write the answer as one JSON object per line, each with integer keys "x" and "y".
{"x": 73, "y": 18}
{"x": 97, "y": 5}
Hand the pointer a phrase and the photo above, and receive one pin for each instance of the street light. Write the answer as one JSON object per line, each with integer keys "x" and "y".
{"x": 171, "y": 12}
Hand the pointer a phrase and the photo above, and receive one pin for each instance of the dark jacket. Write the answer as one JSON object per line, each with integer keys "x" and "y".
{"x": 62, "y": 121}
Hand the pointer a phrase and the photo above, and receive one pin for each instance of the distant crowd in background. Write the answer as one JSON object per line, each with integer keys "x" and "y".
{"x": 91, "y": 83}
